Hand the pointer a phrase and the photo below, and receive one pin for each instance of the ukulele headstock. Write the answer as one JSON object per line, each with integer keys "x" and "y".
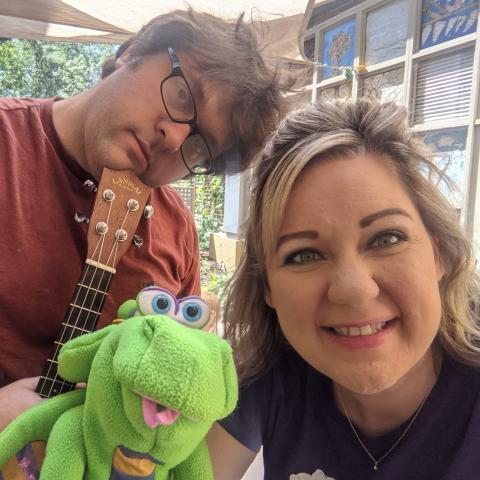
{"x": 119, "y": 205}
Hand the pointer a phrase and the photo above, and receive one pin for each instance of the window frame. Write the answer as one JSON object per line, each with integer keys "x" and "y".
{"x": 470, "y": 216}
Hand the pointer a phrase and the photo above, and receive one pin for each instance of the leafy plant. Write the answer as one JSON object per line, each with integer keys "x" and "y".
{"x": 209, "y": 202}
{"x": 43, "y": 69}
{"x": 213, "y": 276}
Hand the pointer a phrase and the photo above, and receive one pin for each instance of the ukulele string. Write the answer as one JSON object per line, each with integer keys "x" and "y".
{"x": 49, "y": 375}
{"x": 100, "y": 245}
{"x": 86, "y": 284}
{"x": 113, "y": 252}
{"x": 82, "y": 307}
{"x": 53, "y": 364}
{"x": 89, "y": 287}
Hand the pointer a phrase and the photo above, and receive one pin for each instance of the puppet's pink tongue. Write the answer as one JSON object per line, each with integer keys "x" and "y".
{"x": 153, "y": 418}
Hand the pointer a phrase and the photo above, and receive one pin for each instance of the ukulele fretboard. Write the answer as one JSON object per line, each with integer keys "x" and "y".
{"x": 81, "y": 317}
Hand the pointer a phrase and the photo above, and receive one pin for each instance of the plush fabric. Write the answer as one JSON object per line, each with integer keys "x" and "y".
{"x": 154, "y": 389}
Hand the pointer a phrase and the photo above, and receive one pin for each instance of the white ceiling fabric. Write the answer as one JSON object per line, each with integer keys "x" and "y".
{"x": 114, "y": 20}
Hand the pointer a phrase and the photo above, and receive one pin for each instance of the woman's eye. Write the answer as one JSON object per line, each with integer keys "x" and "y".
{"x": 302, "y": 257}
{"x": 155, "y": 301}
{"x": 388, "y": 239}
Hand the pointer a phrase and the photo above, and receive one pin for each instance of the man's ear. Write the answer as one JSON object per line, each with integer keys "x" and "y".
{"x": 123, "y": 59}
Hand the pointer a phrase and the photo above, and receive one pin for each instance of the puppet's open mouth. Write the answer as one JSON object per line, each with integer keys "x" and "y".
{"x": 155, "y": 414}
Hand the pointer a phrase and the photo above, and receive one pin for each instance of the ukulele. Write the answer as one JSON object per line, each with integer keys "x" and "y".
{"x": 119, "y": 205}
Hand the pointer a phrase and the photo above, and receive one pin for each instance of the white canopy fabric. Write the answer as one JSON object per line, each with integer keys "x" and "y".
{"x": 112, "y": 21}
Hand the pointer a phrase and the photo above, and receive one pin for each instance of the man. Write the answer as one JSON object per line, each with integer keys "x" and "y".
{"x": 188, "y": 94}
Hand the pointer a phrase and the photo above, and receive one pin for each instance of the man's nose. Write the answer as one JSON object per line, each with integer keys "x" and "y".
{"x": 352, "y": 283}
{"x": 173, "y": 134}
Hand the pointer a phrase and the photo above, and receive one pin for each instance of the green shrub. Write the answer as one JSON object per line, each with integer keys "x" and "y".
{"x": 209, "y": 202}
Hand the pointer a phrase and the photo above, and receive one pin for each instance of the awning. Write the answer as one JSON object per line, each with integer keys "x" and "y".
{"x": 112, "y": 21}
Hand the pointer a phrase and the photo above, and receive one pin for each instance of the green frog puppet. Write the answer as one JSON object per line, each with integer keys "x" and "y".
{"x": 154, "y": 388}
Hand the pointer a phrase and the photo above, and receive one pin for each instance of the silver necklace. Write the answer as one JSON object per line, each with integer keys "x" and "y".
{"x": 376, "y": 461}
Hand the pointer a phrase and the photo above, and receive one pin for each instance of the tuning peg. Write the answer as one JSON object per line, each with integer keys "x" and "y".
{"x": 108, "y": 195}
{"x": 133, "y": 205}
{"x": 148, "y": 212}
{"x": 137, "y": 241}
{"x": 89, "y": 186}
{"x": 81, "y": 218}
{"x": 101, "y": 228}
{"x": 121, "y": 235}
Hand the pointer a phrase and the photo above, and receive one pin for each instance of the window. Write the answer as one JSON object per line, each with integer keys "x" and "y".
{"x": 443, "y": 87}
{"x": 386, "y": 86}
{"x": 309, "y": 47}
{"x": 449, "y": 148}
{"x": 386, "y": 32}
{"x": 343, "y": 90}
{"x": 325, "y": 10}
{"x": 338, "y": 49}
{"x": 419, "y": 54}
{"x": 444, "y": 20}
{"x": 299, "y": 99}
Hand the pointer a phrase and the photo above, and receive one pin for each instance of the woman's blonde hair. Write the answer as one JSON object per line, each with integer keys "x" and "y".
{"x": 342, "y": 129}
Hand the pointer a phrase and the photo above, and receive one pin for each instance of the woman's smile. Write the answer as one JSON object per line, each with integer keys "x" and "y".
{"x": 361, "y": 336}
{"x": 354, "y": 281}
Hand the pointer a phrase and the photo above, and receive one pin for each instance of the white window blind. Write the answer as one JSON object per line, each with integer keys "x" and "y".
{"x": 443, "y": 87}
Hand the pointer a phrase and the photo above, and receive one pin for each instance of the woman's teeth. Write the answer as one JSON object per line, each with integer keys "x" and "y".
{"x": 359, "y": 331}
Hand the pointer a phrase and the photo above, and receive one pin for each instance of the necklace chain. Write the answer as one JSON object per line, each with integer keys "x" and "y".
{"x": 375, "y": 461}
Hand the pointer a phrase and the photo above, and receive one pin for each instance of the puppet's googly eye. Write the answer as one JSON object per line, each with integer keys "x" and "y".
{"x": 193, "y": 312}
{"x": 155, "y": 301}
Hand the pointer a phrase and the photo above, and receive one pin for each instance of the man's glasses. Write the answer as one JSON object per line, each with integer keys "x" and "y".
{"x": 178, "y": 100}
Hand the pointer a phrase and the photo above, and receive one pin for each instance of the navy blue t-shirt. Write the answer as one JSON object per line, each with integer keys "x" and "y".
{"x": 291, "y": 412}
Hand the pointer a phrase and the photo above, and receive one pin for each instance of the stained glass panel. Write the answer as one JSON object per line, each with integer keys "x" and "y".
{"x": 386, "y": 86}
{"x": 449, "y": 148}
{"x": 338, "y": 49}
{"x": 444, "y": 20}
{"x": 386, "y": 32}
{"x": 343, "y": 90}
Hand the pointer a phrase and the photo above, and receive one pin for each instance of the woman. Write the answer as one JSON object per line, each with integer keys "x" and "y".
{"x": 352, "y": 313}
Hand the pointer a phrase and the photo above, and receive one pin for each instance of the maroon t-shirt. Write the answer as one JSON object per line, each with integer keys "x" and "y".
{"x": 43, "y": 249}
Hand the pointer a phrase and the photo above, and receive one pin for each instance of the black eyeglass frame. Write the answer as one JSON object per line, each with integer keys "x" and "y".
{"x": 195, "y": 130}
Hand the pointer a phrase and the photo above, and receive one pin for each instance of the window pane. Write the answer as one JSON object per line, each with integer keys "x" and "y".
{"x": 325, "y": 10}
{"x": 478, "y": 109}
{"x": 386, "y": 32}
{"x": 444, "y": 20}
{"x": 309, "y": 48}
{"x": 449, "y": 148}
{"x": 299, "y": 99}
{"x": 338, "y": 49}
{"x": 386, "y": 86}
{"x": 443, "y": 87}
{"x": 344, "y": 90}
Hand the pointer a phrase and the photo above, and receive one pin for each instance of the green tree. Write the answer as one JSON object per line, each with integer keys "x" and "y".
{"x": 43, "y": 69}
